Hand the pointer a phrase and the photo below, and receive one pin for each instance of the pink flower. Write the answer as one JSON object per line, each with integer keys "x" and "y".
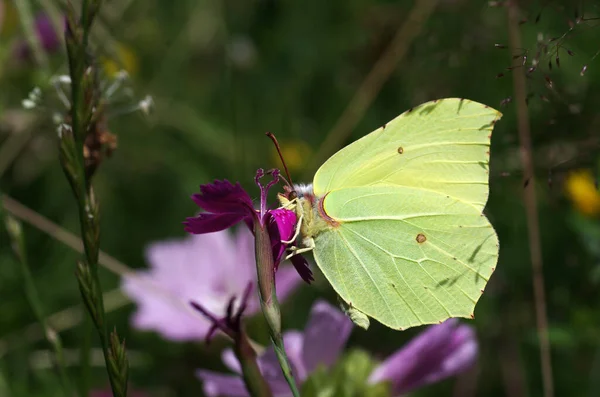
{"x": 439, "y": 352}
{"x": 209, "y": 269}
{"x": 321, "y": 343}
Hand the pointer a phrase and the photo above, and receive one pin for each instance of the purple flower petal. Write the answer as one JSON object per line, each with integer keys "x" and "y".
{"x": 209, "y": 223}
{"x": 219, "y": 385}
{"x": 269, "y": 365}
{"x": 438, "y": 352}
{"x": 325, "y": 336}
{"x": 47, "y": 35}
{"x": 462, "y": 356}
{"x": 321, "y": 343}
{"x": 285, "y": 221}
{"x": 230, "y": 360}
{"x": 225, "y": 205}
{"x": 222, "y": 197}
{"x": 281, "y": 224}
{"x": 216, "y": 384}
{"x": 302, "y": 267}
{"x": 46, "y": 32}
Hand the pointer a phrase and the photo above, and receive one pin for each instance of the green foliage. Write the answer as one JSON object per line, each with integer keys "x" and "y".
{"x": 348, "y": 378}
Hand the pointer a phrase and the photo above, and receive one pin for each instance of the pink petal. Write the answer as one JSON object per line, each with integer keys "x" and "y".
{"x": 206, "y": 268}
{"x": 223, "y": 197}
{"x": 209, "y": 223}
{"x": 325, "y": 335}
{"x": 439, "y": 352}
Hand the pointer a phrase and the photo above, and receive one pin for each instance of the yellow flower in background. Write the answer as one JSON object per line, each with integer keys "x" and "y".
{"x": 581, "y": 188}
{"x": 295, "y": 153}
{"x": 125, "y": 60}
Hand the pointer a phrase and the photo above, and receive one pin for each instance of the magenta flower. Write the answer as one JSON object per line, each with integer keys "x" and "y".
{"x": 226, "y": 204}
{"x": 47, "y": 35}
{"x": 439, "y": 352}
{"x": 209, "y": 269}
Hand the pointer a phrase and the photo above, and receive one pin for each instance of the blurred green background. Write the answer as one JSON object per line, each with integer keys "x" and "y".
{"x": 221, "y": 73}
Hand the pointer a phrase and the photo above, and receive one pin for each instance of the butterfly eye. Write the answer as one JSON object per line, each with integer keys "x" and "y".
{"x": 292, "y": 195}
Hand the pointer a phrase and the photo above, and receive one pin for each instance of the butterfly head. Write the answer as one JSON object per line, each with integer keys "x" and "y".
{"x": 304, "y": 191}
{"x": 296, "y": 192}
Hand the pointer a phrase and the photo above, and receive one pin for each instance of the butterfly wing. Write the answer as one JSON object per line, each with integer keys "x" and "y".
{"x": 411, "y": 245}
{"x": 440, "y": 146}
{"x": 404, "y": 256}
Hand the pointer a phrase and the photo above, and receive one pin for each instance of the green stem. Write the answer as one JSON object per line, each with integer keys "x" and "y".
{"x": 284, "y": 363}
{"x": 85, "y": 357}
{"x": 18, "y": 243}
{"x": 268, "y": 300}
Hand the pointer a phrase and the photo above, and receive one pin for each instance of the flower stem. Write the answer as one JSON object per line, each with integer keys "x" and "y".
{"x": 284, "y": 364}
{"x": 268, "y": 300}
{"x": 232, "y": 326}
{"x": 18, "y": 244}
{"x": 253, "y": 379}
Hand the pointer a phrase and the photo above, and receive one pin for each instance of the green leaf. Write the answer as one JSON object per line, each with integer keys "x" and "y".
{"x": 348, "y": 378}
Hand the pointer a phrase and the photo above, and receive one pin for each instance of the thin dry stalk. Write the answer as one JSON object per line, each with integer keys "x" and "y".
{"x": 371, "y": 85}
{"x": 520, "y": 94}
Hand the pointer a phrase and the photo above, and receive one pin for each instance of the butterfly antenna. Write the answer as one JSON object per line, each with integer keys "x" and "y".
{"x": 272, "y": 137}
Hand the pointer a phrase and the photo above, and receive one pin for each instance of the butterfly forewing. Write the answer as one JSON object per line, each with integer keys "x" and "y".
{"x": 441, "y": 146}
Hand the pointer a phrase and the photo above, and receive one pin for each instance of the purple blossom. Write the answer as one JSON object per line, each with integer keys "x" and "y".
{"x": 226, "y": 204}
{"x": 321, "y": 343}
{"x": 209, "y": 269}
{"x": 439, "y": 352}
{"x": 47, "y": 35}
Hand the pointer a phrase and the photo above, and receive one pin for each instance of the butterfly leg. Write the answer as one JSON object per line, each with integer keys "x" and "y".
{"x": 296, "y": 250}
{"x": 298, "y": 225}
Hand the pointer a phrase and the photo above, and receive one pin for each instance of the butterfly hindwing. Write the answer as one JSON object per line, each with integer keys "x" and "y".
{"x": 404, "y": 264}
